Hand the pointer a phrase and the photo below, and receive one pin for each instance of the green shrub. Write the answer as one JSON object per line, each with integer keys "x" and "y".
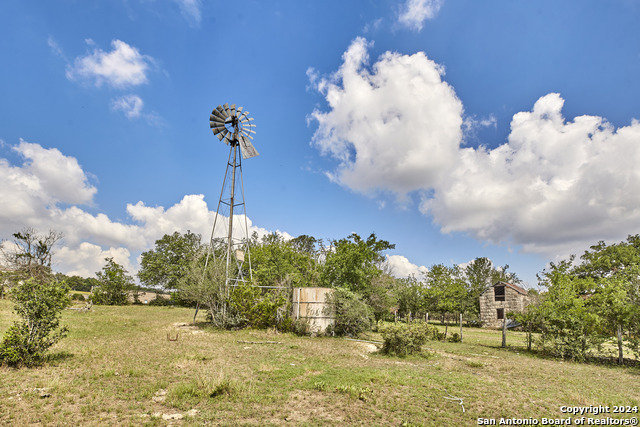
{"x": 455, "y": 337}
{"x": 160, "y": 301}
{"x": 224, "y": 388}
{"x": 39, "y": 304}
{"x": 114, "y": 285}
{"x": 360, "y": 393}
{"x": 352, "y": 315}
{"x": 301, "y": 327}
{"x": 77, "y": 297}
{"x": 259, "y": 308}
{"x": 401, "y": 339}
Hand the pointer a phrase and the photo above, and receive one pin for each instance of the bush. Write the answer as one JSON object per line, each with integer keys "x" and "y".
{"x": 77, "y": 297}
{"x": 401, "y": 339}
{"x": 455, "y": 337}
{"x": 230, "y": 321}
{"x": 160, "y": 301}
{"x": 301, "y": 327}
{"x": 114, "y": 285}
{"x": 352, "y": 315}
{"x": 39, "y": 304}
{"x": 177, "y": 298}
{"x": 259, "y": 308}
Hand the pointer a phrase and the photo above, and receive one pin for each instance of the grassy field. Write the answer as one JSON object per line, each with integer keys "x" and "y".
{"x": 117, "y": 367}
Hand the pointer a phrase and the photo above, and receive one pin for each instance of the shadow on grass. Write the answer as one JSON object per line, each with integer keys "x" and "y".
{"x": 589, "y": 360}
{"x": 58, "y": 357}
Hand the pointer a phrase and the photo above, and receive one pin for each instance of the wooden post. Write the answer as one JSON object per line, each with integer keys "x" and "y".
{"x": 620, "y": 354}
{"x": 427, "y": 317}
{"x": 460, "y": 327}
{"x": 504, "y": 332}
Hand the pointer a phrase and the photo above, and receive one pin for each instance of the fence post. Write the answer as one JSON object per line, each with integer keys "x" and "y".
{"x": 504, "y": 332}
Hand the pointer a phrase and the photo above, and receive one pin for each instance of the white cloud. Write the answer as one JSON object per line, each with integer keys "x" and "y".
{"x": 414, "y": 12}
{"x": 395, "y": 128}
{"x": 471, "y": 125}
{"x": 554, "y": 187}
{"x": 86, "y": 259}
{"x": 38, "y": 192}
{"x": 45, "y": 178}
{"x": 122, "y": 67}
{"x": 372, "y": 26}
{"x": 55, "y": 48}
{"x": 191, "y": 11}
{"x": 401, "y": 267}
{"x": 130, "y": 105}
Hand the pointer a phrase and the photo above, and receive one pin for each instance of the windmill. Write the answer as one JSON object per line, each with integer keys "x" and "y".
{"x": 234, "y": 127}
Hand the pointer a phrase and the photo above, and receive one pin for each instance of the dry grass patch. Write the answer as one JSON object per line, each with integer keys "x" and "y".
{"x": 117, "y": 367}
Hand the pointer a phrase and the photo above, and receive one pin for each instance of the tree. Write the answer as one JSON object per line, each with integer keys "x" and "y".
{"x": 445, "y": 290}
{"x": 278, "y": 262}
{"x": 39, "y": 305}
{"x": 530, "y": 318}
{"x": 29, "y": 254}
{"x": 612, "y": 303}
{"x": 383, "y": 295}
{"x": 206, "y": 287}
{"x": 169, "y": 261}
{"x": 411, "y": 296}
{"x": 115, "y": 285}
{"x": 38, "y": 296}
{"x": 569, "y": 327}
{"x": 478, "y": 274}
{"x": 77, "y": 283}
{"x": 613, "y": 274}
{"x": 353, "y": 263}
{"x": 500, "y": 274}
{"x": 604, "y": 260}
{"x": 352, "y": 315}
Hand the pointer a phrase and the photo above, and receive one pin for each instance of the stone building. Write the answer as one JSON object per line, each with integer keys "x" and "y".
{"x": 498, "y": 300}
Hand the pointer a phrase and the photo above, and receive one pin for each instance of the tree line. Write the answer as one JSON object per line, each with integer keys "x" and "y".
{"x": 588, "y": 305}
{"x": 355, "y": 266}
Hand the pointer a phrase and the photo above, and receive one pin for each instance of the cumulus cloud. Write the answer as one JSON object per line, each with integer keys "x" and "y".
{"x": 48, "y": 191}
{"x": 124, "y": 66}
{"x": 401, "y": 267}
{"x": 553, "y": 188}
{"x": 46, "y": 177}
{"x": 394, "y": 126}
{"x": 554, "y": 183}
{"x": 86, "y": 259}
{"x": 130, "y": 105}
{"x": 413, "y": 13}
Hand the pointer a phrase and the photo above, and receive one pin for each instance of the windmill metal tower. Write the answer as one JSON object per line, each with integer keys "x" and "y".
{"x": 234, "y": 127}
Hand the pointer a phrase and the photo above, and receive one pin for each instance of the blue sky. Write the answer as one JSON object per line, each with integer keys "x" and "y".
{"x": 454, "y": 129}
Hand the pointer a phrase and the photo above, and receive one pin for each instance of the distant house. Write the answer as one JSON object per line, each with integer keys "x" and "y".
{"x": 498, "y": 300}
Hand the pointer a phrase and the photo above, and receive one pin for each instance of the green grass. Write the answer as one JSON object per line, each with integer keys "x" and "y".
{"x": 117, "y": 367}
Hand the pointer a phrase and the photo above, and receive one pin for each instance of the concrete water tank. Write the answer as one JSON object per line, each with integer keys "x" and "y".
{"x": 311, "y": 304}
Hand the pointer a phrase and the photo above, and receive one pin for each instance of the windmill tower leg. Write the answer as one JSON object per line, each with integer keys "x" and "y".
{"x": 230, "y": 233}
